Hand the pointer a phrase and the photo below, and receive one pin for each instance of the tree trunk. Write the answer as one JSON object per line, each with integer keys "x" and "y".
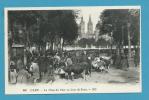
{"x": 27, "y": 35}
{"x": 12, "y": 32}
{"x": 62, "y": 43}
{"x": 111, "y": 43}
{"x": 129, "y": 46}
{"x": 51, "y": 45}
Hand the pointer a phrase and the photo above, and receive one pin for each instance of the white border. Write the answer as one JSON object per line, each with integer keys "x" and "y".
{"x": 102, "y": 88}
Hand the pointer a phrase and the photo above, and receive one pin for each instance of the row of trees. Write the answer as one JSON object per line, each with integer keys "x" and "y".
{"x": 123, "y": 25}
{"x": 55, "y": 26}
{"x": 39, "y": 27}
{"x": 114, "y": 22}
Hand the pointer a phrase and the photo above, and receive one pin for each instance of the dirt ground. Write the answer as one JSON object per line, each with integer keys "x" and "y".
{"x": 116, "y": 76}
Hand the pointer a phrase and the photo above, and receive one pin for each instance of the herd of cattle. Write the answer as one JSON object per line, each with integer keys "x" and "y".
{"x": 65, "y": 65}
{"x": 71, "y": 66}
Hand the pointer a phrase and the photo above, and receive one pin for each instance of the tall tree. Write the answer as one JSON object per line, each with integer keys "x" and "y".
{"x": 42, "y": 26}
{"x": 59, "y": 24}
{"x": 23, "y": 18}
{"x": 125, "y": 26}
{"x": 115, "y": 21}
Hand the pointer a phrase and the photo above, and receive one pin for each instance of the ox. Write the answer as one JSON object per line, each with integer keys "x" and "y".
{"x": 76, "y": 70}
{"x": 101, "y": 63}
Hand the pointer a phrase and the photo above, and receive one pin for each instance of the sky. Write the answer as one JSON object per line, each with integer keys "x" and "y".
{"x": 95, "y": 12}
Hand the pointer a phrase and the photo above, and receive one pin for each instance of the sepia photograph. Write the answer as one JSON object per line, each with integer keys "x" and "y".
{"x": 62, "y": 50}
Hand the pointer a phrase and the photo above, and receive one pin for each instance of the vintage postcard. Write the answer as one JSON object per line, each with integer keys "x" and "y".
{"x": 62, "y": 50}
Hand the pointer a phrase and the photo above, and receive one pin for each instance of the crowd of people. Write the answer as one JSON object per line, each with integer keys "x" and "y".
{"x": 40, "y": 66}
{"x": 43, "y": 67}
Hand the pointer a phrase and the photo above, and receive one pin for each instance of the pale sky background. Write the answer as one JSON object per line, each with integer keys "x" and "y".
{"x": 93, "y": 12}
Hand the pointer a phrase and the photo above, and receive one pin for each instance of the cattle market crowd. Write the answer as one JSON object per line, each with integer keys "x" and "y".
{"x": 64, "y": 64}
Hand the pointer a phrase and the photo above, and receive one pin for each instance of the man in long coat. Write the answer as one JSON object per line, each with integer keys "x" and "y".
{"x": 35, "y": 71}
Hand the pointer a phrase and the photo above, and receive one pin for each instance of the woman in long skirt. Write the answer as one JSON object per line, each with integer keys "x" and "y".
{"x": 13, "y": 73}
